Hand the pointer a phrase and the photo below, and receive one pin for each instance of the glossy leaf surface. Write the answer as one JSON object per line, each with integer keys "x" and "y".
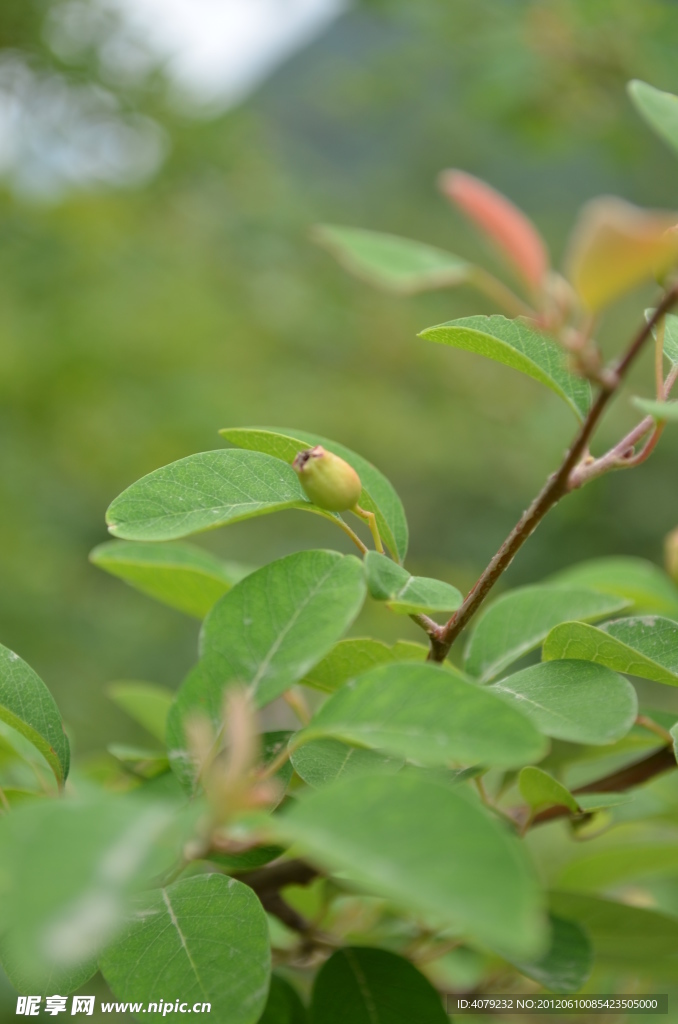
{"x": 182, "y": 576}
{"x": 373, "y": 986}
{"x": 519, "y": 346}
{"x": 350, "y": 658}
{"x": 204, "y": 491}
{"x": 644, "y": 646}
{"x": 517, "y": 622}
{"x": 447, "y": 857}
{"x": 539, "y": 789}
{"x": 405, "y": 594}
{"x": 573, "y": 700}
{"x": 642, "y": 582}
{"x": 27, "y": 706}
{"x": 323, "y": 761}
{"x": 201, "y": 940}
{"x": 424, "y": 713}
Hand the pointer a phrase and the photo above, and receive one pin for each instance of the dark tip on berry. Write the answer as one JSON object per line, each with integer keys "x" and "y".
{"x": 301, "y": 458}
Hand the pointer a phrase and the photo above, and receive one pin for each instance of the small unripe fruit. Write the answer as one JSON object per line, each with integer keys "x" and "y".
{"x": 328, "y": 481}
{"x": 671, "y": 554}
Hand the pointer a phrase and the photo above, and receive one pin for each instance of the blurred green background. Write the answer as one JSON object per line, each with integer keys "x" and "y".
{"x": 139, "y": 316}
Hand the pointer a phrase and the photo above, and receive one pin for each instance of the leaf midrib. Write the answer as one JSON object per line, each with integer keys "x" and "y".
{"x": 182, "y": 939}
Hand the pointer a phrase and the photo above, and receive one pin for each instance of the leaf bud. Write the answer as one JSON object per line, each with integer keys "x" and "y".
{"x": 329, "y": 481}
{"x": 671, "y": 554}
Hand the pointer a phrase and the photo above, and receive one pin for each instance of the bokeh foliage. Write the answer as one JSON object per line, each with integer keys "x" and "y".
{"x": 136, "y": 322}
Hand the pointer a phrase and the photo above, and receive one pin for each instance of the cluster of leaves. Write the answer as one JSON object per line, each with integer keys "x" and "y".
{"x": 373, "y": 856}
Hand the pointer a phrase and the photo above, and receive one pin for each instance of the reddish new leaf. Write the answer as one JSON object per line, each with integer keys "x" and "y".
{"x": 505, "y": 225}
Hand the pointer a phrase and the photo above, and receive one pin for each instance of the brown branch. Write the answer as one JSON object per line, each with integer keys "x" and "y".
{"x": 618, "y": 457}
{"x": 277, "y": 875}
{"x": 623, "y": 455}
{"x": 556, "y": 487}
{"x": 274, "y": 904}
{"x": 662, "y": 760}
{"x": 267, "y": 883}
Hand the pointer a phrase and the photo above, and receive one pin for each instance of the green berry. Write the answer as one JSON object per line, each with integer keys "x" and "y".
{"x": 328, "y": 481}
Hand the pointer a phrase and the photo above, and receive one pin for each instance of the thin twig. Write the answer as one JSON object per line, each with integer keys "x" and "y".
{"x": 648, "y": 447}
{"x": 622, "y": 455}
{"x": 645, "y": 722}
{"x": 659, "y": 360}
{"x": 663, "y": 760}
{"x": 556, "y": 487}
{"x": 354, "y": 536}
{"x": 278, "y": 875}
{"x": 276, "y": 764}
{"x": 295, "y": 700}
{"x": 426, "y": 623}
{"x": 499, "y": 293}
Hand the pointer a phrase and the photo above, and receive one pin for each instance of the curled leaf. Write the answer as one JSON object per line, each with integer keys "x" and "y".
{"x": 616, "y": 246}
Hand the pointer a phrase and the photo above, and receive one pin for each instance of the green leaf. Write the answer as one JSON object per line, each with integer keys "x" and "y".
{"x": 66, "y": 870}
{"x": 630, "y": 939}
{"x": 275, "y": 625}
{"x": 283, "y": 1005}
{"x": 641, "y": 582}
{"x": 568, "y": 962}
{"x": 514, "y": 343}
{"x": 390, "y": 262}
{"x": 573, "y": 700}
{"x": 350, "y": 658}
{"x": 147, "y": 703}
{"x": 670, "y": 335}
{"x": 267, "y": 633}
{"x": 182, "y": 576}
{"x": 659, "y": 109}
{"x": 430, "y": 849}
{"x": 645, "y": 646}
{"x": 425, "y": 713}
{"x": 148, "y": 763}
{"x": 539, "y": 789}
{"x": 27, "y": 706}
{"x": 671, "y": 338}
{"x": 204, "y": 491}
{"x": 591, "y": 802}
{"x": 323, "y": 761}
{"x": 16, "y": 797}
{"x": 248, "y": 860}
{"x": 608, "y": 867}
{"x": 372, "y": 986}
{"x": 663, "y": 412}
{"x": 201, "y": 940}
{"x": 517, "y": 622}
{"x": 674, "y": 734}
{"x": 405, "y": 594}
{"x": 377, "y": 496}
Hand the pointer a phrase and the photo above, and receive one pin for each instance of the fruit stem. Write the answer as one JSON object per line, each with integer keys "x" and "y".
{"x": 372, "y": 523}
{"x": 354, "y": 536}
